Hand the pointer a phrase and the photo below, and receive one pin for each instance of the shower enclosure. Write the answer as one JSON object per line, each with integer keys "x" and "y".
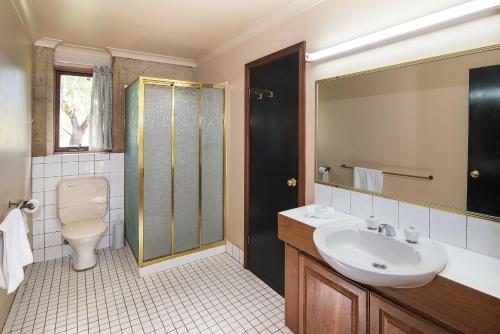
{"x": 174, "y": 168}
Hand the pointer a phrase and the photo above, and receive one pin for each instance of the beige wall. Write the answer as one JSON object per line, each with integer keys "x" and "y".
{"x": 126, "y": 71}
{"x": 331, "y": 22}
{"x": 15, "y": 112}
{"x": 411, "y": 120}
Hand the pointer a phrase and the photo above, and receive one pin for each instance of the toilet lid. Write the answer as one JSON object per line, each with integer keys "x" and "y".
{"x": 81, "y": 229}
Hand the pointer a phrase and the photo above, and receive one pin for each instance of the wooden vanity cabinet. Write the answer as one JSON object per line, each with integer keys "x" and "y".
{"x": 328, "y": 303}
{"x": 319, "y": 300}
{"x": 387, "y": 318}
{"x": 331, "y": 304}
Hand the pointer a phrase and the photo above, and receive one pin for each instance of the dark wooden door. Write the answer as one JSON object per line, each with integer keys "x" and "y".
{"x": 484, "y": 141}
{"x": 273, "y": 161}
{"x": 329, "y": 304}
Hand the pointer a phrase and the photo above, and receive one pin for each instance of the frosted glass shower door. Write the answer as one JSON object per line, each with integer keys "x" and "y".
{"x": 174, "y": 168}
{"x": 212, "y": 162}
{"x": 186, "y": 169}
{"x": 157, "y": 171}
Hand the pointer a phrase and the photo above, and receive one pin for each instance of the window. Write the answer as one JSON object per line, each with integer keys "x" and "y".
{"x": 72, "y": 110}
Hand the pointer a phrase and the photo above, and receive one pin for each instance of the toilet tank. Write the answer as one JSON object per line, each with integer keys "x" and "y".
{"x": 82, "y": 198}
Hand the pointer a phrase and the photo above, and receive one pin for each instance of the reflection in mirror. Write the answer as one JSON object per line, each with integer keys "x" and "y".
{"x": 425, "y": 131}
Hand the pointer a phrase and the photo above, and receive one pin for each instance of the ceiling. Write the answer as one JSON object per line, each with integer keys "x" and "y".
{"x": 178, "y": 28}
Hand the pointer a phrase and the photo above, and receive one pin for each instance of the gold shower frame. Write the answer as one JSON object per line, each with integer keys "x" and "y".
{"x": 142, "y": 81}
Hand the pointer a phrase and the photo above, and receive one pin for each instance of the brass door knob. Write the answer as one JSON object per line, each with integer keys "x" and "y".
{"x": 292, "y": 182}
{"x": 474, "y": 174}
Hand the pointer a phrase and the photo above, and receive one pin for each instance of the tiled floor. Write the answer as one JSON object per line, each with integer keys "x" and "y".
{"x": 214, "y": 295}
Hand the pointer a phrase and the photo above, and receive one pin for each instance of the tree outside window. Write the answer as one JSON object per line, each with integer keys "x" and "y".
{"x": 73, "y": 109}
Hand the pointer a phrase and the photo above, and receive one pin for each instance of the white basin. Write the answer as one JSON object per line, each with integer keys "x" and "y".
{"x": 374, "y": 259}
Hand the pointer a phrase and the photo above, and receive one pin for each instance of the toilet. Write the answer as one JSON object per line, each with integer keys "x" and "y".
{"x": 82, "y": 204}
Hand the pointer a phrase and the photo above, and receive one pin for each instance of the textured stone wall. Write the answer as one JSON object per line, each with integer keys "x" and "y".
{"x": 43, "y": 101}
{"x": 126, "y": 71}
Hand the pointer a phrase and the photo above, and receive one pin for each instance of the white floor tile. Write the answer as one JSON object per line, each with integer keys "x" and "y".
{"x": 210, "y": 295}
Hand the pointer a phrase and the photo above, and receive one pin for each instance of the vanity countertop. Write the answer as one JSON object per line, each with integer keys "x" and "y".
{"x": 474, "y": 270}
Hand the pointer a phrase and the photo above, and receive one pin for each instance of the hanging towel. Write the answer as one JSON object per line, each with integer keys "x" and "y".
{"x": 360, "y": 178}
{"x": 16, "y": 249}
{"x": 374, "y": 180}
{"x": 368, "y": 179}
{"x": 2, "y": 280}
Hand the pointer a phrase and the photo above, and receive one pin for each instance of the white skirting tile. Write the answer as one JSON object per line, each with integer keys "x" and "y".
{"x": 179, "y": 261}
{"x": 235, "y": 252}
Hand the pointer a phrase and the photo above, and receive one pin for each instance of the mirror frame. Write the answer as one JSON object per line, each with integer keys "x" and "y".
{"x": 386, "y": 68}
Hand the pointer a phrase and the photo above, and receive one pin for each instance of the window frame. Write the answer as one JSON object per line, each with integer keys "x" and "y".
{"x": 81, "y": 72}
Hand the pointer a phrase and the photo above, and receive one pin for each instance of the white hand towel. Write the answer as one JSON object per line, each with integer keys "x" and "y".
{"x": 2, "y": 280}
{"x": 368, "y": 179}
{"x": 322, "y": 212}
{"x": 374, "y": 180}
{"x": 16, "y": 249}
{"x": 360, "y": 178}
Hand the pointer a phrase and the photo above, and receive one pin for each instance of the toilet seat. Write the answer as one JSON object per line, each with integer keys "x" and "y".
{"x": 82, "y": 229}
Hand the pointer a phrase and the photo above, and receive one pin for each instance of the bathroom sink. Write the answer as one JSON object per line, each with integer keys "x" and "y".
{"x": 371, "y": 258}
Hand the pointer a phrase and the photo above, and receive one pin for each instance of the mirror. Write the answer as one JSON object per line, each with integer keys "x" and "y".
{"x": 432, "y": 127}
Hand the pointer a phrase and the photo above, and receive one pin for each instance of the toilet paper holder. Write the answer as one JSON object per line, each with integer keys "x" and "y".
{"x": 21, "y": 204}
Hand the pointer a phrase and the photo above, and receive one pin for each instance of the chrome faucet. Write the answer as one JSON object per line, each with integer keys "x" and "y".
{"x": 387, "y": 230}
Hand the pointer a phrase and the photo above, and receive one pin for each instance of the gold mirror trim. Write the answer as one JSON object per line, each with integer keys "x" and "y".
{"x": 413, "y": 62}
{"x": 386, "y": 68}
{"x": 140, "y": 164}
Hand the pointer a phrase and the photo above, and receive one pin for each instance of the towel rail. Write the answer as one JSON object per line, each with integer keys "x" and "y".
{"x": 21, "y": 204}
{"x": 430, "y": 177}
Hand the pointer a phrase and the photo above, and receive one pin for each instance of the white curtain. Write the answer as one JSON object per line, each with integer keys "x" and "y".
{"x": 101, "y": 109}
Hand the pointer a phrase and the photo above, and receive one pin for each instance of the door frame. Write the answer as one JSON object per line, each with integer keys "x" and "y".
{"x": 301, "y": 49}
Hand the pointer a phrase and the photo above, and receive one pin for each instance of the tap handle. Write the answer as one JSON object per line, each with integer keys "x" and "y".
{"x": 412, "y": 235}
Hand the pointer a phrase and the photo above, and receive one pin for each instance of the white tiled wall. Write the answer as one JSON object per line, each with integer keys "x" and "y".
{"x": 483, "y": 236}
{"x": 235, "y": 252}
{"x": 361, "y": 204}
{"x": 448, "y": 227}
{"x": 414, "y": 215}
{"x": 47, "y": 172}
{"x": 341, "y": 199}
{"x": 323, "y": 195}
{"x": 386, "y": 210}
{"x": 477, "y": 235}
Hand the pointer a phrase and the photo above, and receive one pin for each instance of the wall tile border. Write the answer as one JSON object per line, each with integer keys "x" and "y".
{"x": 459, "y": 230}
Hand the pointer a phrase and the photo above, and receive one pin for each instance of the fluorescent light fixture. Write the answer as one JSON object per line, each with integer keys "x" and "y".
{"x": 449, "y": 15}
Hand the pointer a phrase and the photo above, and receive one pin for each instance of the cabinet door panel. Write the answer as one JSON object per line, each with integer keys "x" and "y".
{"x": 327, "y": 302}
{"x": 386, "y": 318}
